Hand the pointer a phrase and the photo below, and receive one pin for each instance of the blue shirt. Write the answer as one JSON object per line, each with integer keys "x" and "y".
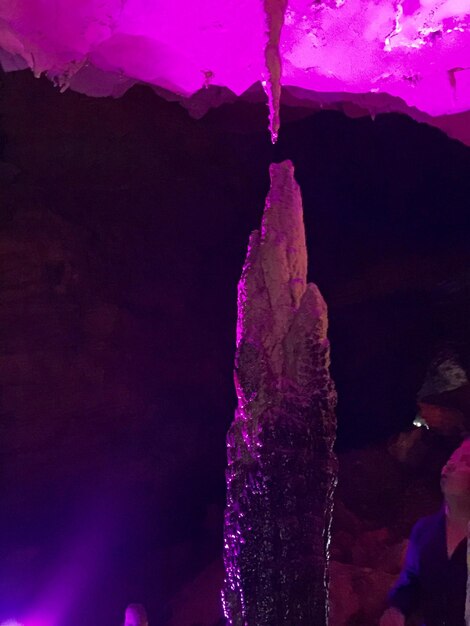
{"x": 430, "y": 582}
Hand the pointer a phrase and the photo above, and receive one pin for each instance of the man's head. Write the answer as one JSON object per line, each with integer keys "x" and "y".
{"x": 455, "y": 475}
{"x": 135, "y": 616}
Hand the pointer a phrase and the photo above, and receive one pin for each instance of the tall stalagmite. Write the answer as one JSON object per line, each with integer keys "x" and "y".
{"x": 281, "y": 467}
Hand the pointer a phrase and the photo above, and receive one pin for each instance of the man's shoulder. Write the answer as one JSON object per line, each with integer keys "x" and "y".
{"x": 427, "y": 525}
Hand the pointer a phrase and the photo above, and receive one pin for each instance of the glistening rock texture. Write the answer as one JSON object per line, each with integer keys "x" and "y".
{"x": 282, "y": 469}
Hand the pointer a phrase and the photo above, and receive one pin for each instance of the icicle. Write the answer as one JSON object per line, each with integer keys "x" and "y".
{"x": 275, "y": 11}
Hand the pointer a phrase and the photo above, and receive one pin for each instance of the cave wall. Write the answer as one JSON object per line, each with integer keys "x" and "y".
{"x": 122, "y": 235}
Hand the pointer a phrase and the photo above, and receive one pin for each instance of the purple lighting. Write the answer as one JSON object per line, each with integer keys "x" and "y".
{"x": 79, "y": 565}
{"x": 407, "y": 55}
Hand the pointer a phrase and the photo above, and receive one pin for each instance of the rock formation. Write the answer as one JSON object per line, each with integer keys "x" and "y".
{"x": 281, "y": 467}
{"x": 374, "y": 56}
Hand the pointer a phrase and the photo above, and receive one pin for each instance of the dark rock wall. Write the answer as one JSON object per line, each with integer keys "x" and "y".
{"x": 123, "y": 227}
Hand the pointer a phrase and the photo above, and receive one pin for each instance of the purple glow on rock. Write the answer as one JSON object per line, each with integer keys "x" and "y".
{"x": 171, "y": 45}
{"x": 365, "y": 46}
{"x": 281, "y": 468}
{"x": 417, "y": 51}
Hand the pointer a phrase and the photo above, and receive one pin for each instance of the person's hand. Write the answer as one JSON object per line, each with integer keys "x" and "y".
{"x": 392, "y": 617}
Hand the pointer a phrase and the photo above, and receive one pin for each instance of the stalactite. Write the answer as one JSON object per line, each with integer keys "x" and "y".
{"x": 275, "y": 11}
{"x": 281, "y": 467}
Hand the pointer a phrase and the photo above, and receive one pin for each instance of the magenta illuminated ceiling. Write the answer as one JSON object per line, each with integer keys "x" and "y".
{"x": 396, "y": 54}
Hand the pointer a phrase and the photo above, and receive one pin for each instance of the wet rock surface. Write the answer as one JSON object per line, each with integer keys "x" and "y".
{"x": 281, "y": 467}
{"x": 369, "y": 535}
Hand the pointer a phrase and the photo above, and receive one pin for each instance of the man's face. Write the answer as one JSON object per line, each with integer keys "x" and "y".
{"x": 455, "y": 476}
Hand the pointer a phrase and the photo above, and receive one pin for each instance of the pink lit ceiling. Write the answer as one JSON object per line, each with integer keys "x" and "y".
{"x": 411, "y": 55}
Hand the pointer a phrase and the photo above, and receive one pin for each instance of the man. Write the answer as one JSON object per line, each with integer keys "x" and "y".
{"x": 434, "y": 578}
